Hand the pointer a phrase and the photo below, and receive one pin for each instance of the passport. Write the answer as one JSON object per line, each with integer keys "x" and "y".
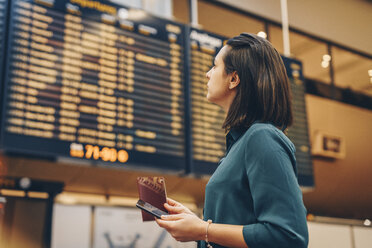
{"x": 152, "y": 190}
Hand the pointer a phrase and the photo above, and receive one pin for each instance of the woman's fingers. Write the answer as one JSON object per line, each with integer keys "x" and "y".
{"x": 167, "y": 221}
{"x": 162, "y": 223}
{"x": 172, "y": 217}
{"x": 172, "y": 202}
{"x": 183, "y": 227}
{"x": 173, "y": 209}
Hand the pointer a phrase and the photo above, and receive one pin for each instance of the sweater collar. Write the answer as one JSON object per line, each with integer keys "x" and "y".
{"x": 232, "y": 136}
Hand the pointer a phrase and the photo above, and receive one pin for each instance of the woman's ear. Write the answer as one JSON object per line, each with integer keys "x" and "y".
{"x": 234, "y": 80}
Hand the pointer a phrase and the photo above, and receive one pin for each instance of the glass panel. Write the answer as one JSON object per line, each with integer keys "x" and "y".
{"x": 129, "y": 3}
{"x": 161, "y": 8}
{"x": 181, "y": 11}
{"x": 352, "y": 71}
{"x": 311, "y": 52}
{"x": 226, "y": 22}
{"x": 276, "y": 37}
{"x": 314, "y": 56}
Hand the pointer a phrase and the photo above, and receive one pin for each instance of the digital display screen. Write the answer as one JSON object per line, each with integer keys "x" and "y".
{"x": 94, "y": 80}
{"x": 3, "y": 17}
{"x": 208, "y": 137}
{"x": 298, "y": 132}
{"x": 104, "y": 83}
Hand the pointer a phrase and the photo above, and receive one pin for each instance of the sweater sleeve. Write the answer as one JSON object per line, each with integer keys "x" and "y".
{"x": 277, "y": 198}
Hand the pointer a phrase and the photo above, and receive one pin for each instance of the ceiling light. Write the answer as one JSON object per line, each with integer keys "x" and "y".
{"x": 123, "y": 13}
{"x": 326, "y": 57}
{"x": 25, "y": 182}
{"x": 367, "y": 222}
{"x": 325, "y": 64}
{"x": 136, "y": 14}
{"x": 41, "y": 195}
{"x": 370, "y": 73}
{"x": 11, "y": 192}
{"x": 262, "y": 34}
{"x": 65, "y": 199}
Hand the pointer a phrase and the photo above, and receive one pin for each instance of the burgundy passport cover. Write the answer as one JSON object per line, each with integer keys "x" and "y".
{"x": 152, "y": 190}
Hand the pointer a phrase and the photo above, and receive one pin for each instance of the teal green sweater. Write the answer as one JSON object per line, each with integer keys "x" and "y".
{"x": 256, "y": 186}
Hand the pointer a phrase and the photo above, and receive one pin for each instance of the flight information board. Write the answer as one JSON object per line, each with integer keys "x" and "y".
{"x": 208, "y": 137}
{"x": 98, "y": 81}
{"x": 298, "y": 132}
{"x": 94, "y": 80}
{"x": 3, "y": 15}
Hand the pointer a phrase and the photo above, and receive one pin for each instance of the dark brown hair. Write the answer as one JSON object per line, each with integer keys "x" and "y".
{"x": 263, "y": 93}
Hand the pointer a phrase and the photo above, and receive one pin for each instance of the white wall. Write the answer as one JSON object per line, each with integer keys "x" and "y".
{"x": 111, "y": 227}
{"x": 123, "y": 227}
{"x": 323, "y": 235}
{"x": 363, "y": 237}
{"x": 329, "y": 236}
{"x": 120, "y": 227}
{"x": 71, "y": 226}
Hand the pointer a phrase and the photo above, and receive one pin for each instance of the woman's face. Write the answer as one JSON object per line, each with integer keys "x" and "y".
{"x": 218, "y": 81}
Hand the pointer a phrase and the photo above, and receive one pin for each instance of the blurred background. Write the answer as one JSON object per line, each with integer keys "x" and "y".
{"x": 97, "y": 93}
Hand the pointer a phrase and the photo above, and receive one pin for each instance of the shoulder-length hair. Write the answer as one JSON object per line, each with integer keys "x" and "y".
{"x": 263, "y": 93}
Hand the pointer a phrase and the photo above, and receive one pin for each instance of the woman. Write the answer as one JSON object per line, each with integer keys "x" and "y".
{"x": 253, "y": 198}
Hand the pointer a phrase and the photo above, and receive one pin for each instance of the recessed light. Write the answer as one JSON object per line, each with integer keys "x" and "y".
{"x": 262, "y": 34}
{"x": 325, "y": 64}
{"x": 327, "y": 57}
{"x": 123, "y": 13}
{"x": 367, "y": 222}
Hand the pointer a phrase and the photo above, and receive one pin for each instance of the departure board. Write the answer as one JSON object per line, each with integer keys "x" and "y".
{"x": 208, "y": 137}
{"x": 94, "y": 80}
{"x": 298, "y": 132}
{"x": 3, "y": 15}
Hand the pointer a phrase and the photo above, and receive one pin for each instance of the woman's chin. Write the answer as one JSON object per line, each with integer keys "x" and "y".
{"x": 209, "y": 98}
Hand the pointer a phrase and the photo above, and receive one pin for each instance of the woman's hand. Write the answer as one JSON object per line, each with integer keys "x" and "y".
{"x": 181, "y": 222}
{"x": 175, "y": 207}
{"x": 184, "y": 226}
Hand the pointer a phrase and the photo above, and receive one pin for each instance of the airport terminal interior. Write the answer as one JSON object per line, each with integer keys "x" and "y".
{"x": 97, "y": 93}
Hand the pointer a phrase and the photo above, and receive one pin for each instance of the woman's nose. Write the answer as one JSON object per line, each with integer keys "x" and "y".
{"x": 208, "y": 74}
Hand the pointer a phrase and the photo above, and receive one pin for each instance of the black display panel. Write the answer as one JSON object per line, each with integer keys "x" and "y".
{"x": 208, "y": 137}
{"x": 3, "y": 20}
{"x": 299, "y": 132}
{"x": 94, "y": 80}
